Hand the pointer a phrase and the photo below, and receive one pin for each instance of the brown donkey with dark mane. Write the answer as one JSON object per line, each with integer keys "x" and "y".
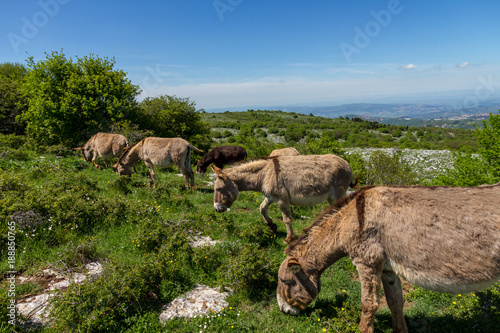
{"x": 303, "y": 180}
{"x": 445, "y": 239}
{"x": 160, "y": 152}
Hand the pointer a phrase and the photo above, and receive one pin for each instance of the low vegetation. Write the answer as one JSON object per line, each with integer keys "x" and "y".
{"x": 68, "y": 213}
{"x": 63, "y": 213}
{"x": 313, "y": 133}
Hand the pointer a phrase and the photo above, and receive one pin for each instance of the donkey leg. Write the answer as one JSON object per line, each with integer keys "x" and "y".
{"x": 151, "y": 172}
{"x": 370, "y": 287}
{"x": 394, "y": 296}
{"x": 286, "y": 211}
{"x": 188, "y": 176}
{"x": 189, "y": 179}
{"x": 94, "y": 158}
{"x": 263, "y": 211}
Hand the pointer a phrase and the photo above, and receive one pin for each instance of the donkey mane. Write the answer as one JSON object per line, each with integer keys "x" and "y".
{"x": 127, "y": 151}
{"x": 359, "y": 196}
{"x": 332, "y": 210}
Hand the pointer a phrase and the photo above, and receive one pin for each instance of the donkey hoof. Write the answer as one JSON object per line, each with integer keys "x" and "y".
{"x": 290, "y": 239}
{"x": 273, "y": 227}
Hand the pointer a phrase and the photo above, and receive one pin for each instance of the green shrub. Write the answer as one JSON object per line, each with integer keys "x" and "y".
{"x": 258, "y": 233}
{"x": 79, "y": 254}
{"x": 251, "y": 271}
{"x": 153, "y": 234}
{"x": 384, "y": 169}
{"x": 467, "y": 170}
{"x": 12, "y": 141}
{"x": 123, "y": 292}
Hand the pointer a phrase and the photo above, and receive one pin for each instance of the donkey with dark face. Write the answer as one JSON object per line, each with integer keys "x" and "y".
{"x": 304, "y": 180}
{"x": 445, "y": 239}
{"x": 105, "y": 146}
{"x": 160, "y": 152}
{"x": 221, "y": 156}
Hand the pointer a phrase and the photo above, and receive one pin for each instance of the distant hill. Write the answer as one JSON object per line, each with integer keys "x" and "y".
{"x": 419, "y": 111}
{"x": 413, "y": 110}
{"x": 439, "y": 115}
{"x": 291, "y": 128}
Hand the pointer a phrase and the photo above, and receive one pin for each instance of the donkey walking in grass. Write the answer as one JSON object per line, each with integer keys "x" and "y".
{"x": 303, "y": 180}
{"x": 160, "y": 152}
{"x": 105, "y": 146}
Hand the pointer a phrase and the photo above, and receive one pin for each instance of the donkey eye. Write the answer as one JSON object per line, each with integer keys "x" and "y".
{"x": 288, "y": 282}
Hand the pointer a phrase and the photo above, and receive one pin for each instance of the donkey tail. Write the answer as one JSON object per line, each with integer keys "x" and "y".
{"x": 355, "y": 185}
{"x": 199, "y": 151}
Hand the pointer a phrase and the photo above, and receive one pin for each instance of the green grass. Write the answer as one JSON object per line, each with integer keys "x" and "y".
{"x": 80, "y": 214}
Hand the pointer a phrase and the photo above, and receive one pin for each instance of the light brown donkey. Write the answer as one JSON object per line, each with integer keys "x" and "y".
{"x": 105, "y": 146}
{"x": 160, "y": 152}
{"x": 288, "y": 151}
{"x": 445, "y": 239}
{"x": 303, "y": 180}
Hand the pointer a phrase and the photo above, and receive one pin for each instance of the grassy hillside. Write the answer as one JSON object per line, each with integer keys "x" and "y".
{"x": 294, "y": 129}
{"x": 67, "y": 213}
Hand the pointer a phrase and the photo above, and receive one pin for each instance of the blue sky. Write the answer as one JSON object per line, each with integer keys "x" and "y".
{"x": 232, "y": 53}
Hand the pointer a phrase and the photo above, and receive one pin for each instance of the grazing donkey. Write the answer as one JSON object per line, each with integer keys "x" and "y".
{"x": 445, "y": 239}
{"x": 288, "y": 151}
{"x": 160, "y": 152}
{"x": 220, "y": 156}
{"x": 303, "y": 180}
{"x": 105, "y": 146}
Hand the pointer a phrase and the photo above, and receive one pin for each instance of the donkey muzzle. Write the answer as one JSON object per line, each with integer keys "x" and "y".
{"x": 220, "y": 208}
{"x": 286, "y": 308}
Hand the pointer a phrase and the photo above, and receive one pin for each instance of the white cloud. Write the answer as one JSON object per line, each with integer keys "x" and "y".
{"x": 347, "y": 85}
{"x": 408, "y": 67}
{"x": 463, "y": 64}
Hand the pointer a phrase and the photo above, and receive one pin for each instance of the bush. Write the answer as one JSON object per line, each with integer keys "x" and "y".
{"x": 12, "y": 141}
{"x": 384, "y": 169}
{"x": 123, "y": 292}
{"x": 468, "y": 170}
{"x": 251, "y": 271}
{"x": 259, "y": 234}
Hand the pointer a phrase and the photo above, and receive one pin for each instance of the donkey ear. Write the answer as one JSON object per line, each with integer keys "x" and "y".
{"x": 293, "y": 265}
{"x": 215, "y": 169}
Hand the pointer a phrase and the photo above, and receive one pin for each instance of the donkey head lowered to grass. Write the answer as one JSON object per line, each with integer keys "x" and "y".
{"x": 105, "y": 146}
{"x": 445, "y": 239}
{"x": 160, "y": 152}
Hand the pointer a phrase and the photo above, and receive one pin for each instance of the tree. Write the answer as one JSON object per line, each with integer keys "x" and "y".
{"x": 12, "y": 102}
{"x": 489, "y": 139}
{"x": 71, "y": 100}
{"x": 171, "y": 116}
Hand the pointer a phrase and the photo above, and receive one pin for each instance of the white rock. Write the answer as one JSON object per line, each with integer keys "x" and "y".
{"x": 200, "y": 301}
